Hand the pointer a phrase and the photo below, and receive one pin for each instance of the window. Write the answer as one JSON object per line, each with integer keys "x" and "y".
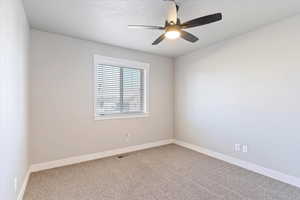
{"x": 120, "y": 88}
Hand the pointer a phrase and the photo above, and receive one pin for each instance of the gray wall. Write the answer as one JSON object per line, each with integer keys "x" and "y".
{"x": 14, "y": 39}
{"x": 62, "y": 117}
{"x": 244, "y": 90}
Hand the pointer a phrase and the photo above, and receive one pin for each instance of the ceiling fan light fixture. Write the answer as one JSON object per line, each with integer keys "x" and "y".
{"x": 174, "y": 29}
{"x": 174, "y": 34}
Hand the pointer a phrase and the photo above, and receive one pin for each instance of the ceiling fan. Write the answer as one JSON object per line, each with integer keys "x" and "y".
{"x": 173, "y": 28}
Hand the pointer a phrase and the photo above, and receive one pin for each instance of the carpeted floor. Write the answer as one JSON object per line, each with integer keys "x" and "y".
{"x": 164, "y": 173}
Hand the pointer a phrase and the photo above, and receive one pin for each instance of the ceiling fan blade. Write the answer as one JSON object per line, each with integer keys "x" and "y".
{"x": 146, "y": 27}
{"x": 187, "y": 36}
{"x": 202, "y": 20}
{"x": 172, "y": 12}
{"x": 159, "y": 39}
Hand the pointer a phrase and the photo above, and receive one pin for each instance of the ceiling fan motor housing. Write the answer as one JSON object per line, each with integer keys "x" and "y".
{"x": 172, "y": 28}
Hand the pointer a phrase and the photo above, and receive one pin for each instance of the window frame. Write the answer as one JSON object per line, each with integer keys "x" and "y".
{"x": 104, "y": 60}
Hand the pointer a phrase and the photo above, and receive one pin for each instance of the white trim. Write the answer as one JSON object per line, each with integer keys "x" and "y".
{"x": 129, "y": 64}
{"x": 94, "y": 156}
{"x": 244, "y": 164}
{"x": 24, "y": 185}
{"x": 122, "y": 116}
{"x": 120, "y": 62}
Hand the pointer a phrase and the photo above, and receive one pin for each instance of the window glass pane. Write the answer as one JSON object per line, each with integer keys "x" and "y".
{"x": 119, "y": 90}
{"x": 132, "y": 90}
{"x": 108, "y": 90}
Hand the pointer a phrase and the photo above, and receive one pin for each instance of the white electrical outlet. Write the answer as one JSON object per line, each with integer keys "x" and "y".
{"x": 16, "y": 184}
{"x": 245, "y": 148}
{"x": 127, "y": 137}
{"x": 237, "y": 147}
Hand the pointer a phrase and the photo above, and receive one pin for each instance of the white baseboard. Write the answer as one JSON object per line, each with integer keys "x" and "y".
{"x": 244, "y": 164}
{"x": 23, "y": 187}
{"x": 94, "y": 156}
{"x": 78, "y": 159}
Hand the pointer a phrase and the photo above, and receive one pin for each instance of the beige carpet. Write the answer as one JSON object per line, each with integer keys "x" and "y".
{"x": 164, "y": 173}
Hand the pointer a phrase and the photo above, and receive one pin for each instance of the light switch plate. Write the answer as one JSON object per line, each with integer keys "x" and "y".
{"x": 15, "y": 184}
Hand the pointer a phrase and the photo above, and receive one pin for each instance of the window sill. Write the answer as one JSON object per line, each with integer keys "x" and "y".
{"x": 122, "y": 116}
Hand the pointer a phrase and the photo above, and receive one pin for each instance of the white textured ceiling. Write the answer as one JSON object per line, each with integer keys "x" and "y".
{"x": 106, "y": 21}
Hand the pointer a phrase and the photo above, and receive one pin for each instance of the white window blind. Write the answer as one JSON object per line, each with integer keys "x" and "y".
{"x": 119, "y": 90}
